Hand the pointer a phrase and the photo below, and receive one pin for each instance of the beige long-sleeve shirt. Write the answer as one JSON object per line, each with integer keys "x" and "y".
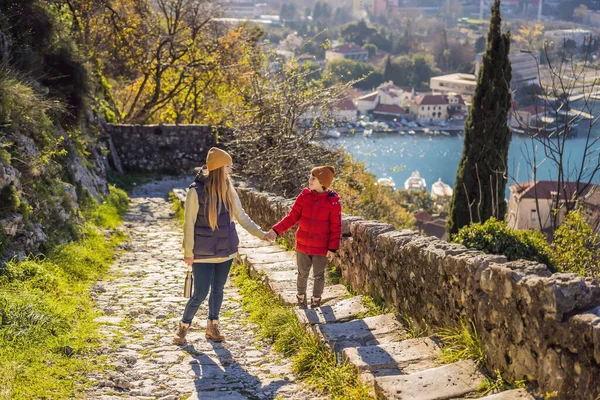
{"x": 191, "y": 213}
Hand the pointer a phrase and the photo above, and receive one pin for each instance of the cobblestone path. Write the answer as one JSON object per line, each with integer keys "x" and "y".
{"x": 142, "y": 303}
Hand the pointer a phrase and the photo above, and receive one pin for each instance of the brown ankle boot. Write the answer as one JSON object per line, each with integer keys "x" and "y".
{"x": 182, "y": 331}
{"x": 212, "y": 331}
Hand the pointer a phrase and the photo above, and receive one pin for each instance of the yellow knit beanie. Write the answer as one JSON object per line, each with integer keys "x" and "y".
{"x": 324, "y": 174}
{"x": 217, "y": 158}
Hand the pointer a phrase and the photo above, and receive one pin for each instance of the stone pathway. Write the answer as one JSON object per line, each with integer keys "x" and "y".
{"x": 393, "y": 365}
{"x": 142, "y": 304}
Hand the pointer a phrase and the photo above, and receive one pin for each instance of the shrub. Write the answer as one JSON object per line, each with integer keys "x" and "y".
{"x": 361, "y": 195}
{"x": 495, "y": 237}
{"x": 576, "y": 248}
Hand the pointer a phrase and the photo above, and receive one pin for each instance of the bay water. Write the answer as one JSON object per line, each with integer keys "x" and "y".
{"x": 397, "y": 156}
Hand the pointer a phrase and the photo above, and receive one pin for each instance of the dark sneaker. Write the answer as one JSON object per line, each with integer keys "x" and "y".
{"x": 301, "y": 302}
{"x": 315, "y": 302}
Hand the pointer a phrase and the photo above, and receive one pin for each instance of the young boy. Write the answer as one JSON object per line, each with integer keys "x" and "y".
{"x": 319, "y": 213}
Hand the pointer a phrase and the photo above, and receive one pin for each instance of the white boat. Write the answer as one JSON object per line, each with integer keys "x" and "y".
{"x": 402, "y": 133}
{"x": 389, "y": 182}
{"x": 436, "y": 133}
{"x": 411, "y": 132}
{"x": 367, "y": 132}
{"x": 445, "y": 133}
{"x": 440, "y": 189}
{"x": 333, "y": 133}
{"x": 426, "y": 130}
{"x": 415, "y": 182}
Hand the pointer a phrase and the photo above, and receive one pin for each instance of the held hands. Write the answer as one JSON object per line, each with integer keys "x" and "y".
{"x": 330, "y": 255}
{"x": 270, "y": 236}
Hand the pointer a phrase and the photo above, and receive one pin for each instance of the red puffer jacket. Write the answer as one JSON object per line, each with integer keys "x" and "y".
{"x": 320, "y": 217}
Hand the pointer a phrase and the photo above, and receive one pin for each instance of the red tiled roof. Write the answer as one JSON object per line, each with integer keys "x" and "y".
{"x": 389, "y": 109}
{"x": 544, "y": 189}
{"x": 346, "y": 104}
{"x": 348, "y": 48}
{"x": 422, "y": 216}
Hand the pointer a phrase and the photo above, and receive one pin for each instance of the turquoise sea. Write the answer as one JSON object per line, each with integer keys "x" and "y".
{"x": 396, "y": 156}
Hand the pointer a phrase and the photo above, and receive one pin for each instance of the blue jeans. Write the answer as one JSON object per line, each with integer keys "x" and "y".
{"x": 207, "y": 276}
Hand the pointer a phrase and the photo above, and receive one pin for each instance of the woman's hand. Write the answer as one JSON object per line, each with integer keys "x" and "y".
{"x": 188, "y": 260}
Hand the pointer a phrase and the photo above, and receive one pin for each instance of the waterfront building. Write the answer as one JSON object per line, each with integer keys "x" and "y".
{"x": 438, "y": 107}
{"x": 348, "y": 51}
{"x": 454, "y": 83}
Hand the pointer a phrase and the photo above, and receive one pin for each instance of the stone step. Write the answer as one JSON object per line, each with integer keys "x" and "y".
{"x": 370, "y": 331}
{"x": 409, "y": 356}
{"x": 342, "y": 311}
{"x": 516, "y": 394}
{"x": 445, "y": 382}
{"x": 271, "y": 258}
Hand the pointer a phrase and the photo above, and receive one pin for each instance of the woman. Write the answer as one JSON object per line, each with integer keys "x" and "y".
{"x": 210, "y": 240}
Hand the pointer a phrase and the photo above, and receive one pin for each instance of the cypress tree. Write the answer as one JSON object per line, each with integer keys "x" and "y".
{"x": 481, "y": 177}
{"x": 388, "y": 72}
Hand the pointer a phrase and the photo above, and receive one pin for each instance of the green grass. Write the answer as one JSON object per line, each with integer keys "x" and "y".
{"x": 460, "y": 343}
{"x": 375, "y": 305}
{"x": 177, "y": 207}
{"x": 47, "y": 329}
{"x": 108, "y": 213}
{"x": 416, "y": 329}
{"x": 498, "y": 384}
{"x": 312, "y": 361}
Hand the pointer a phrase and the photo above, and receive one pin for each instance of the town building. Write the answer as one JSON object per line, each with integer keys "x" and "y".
{"x": 524, "y": 67}
{"x": 345, "y": 109}
{"x": 454, "y": 83}
{"x": 388, "y": 100}
{"x": 438, "y": 107}
{"x": 239, "y": 9}
{"x": 525, "y": 212}
{"x": 559, "y": 36}
{"x": 363, "y": 8}
{"x": 348, "y": 51}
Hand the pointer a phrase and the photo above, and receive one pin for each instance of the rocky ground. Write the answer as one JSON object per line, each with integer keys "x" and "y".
{"x": 142, "y": 304}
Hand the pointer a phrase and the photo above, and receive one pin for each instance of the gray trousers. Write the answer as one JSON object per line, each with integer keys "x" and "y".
{"x": 304, "y": 263}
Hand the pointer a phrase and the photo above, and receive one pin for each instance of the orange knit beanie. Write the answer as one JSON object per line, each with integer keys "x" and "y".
{"x": 324, "y": 174}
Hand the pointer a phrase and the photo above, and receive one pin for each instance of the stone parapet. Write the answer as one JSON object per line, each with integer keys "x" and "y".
{"x": 161, "y": 148}
{"x": 534, "y": 324}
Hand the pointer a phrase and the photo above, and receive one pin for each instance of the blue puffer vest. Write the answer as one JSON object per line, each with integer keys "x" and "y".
{"x": 221, "y": 242}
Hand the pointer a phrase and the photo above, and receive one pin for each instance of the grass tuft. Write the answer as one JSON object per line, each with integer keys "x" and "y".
{"x": 416, "y": 329}
{"x": 312, "y": 361}
{"x": 497, "y": 384}
{"x": 460, "y": 343}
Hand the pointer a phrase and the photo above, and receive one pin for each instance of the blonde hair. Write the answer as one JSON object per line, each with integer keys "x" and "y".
{"x": 219, "y": 192}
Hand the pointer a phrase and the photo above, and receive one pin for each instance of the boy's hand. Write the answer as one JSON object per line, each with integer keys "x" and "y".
{"x": 330, "y": 255}
{"x": 188, "y": 260}
{"x": 271, "y": 235}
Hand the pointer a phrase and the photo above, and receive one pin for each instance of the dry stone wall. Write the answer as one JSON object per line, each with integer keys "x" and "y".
{"x": 534, "y": 325}
{"x": 161, "y": 148}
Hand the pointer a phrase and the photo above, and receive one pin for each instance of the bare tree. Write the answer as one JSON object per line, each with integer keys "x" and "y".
{"x": 565, "y": 109}
{"x": 283, "y": 110}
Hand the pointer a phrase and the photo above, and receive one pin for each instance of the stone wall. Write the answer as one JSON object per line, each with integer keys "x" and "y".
{"x": 161, "y": 148}
{"x": 534, "y": 325}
